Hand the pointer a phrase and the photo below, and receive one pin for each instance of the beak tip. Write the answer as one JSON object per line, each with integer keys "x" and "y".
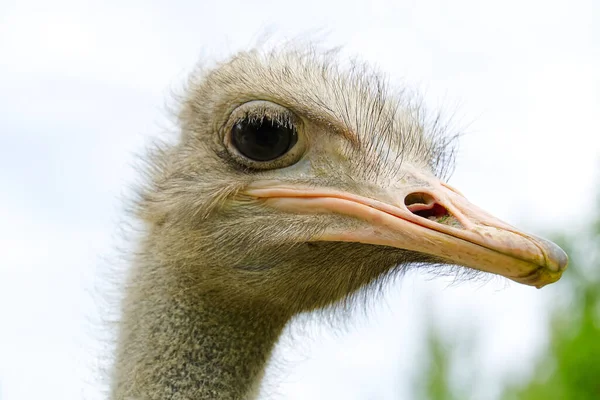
{"x": 562, "y": 259}
{"x": 557, "y": 259}
{"x": 547, "y": 278}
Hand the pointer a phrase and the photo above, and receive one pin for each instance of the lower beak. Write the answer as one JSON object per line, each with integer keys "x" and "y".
{"x": 434, "y": 220}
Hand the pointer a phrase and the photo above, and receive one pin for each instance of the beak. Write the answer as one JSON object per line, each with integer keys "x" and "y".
{"x": 430, "y": 217}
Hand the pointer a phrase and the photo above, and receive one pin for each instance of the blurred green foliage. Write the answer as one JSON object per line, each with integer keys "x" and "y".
{"x": 569, "y": 369}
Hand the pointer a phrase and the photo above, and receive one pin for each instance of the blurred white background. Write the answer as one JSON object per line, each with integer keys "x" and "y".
{"x": 83, "y": 86}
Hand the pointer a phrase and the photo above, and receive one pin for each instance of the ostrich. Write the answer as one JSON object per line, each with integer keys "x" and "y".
{"x": 294, "y": 184}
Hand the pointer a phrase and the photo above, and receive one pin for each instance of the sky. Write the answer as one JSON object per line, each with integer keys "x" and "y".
{"x": 84, "y": 85}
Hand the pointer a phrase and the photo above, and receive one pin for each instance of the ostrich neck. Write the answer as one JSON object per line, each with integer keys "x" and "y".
{"x": 174, "y": 345}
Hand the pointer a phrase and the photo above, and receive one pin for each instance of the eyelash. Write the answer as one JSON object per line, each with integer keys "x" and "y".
{"x": 282, "y": 119}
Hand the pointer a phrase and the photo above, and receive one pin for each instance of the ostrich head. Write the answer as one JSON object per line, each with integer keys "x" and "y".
{"x": 295, "y": 184}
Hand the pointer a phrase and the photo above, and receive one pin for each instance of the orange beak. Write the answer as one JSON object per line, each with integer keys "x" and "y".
{"x": 431, "y": 218}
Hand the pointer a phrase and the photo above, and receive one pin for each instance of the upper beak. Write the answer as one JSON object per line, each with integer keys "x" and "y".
{"x": 431, "y": 218}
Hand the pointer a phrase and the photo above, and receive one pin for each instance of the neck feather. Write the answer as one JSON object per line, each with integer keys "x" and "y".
{"x": 175, "y": 344}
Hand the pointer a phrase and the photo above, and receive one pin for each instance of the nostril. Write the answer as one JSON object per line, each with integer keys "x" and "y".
{"x": 435, "y": 212}
{"x": 418, "y": 198}
{"x": 424, "y": 205}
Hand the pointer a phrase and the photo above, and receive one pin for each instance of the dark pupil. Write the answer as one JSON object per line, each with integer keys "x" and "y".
{"x": 263, "y": 140}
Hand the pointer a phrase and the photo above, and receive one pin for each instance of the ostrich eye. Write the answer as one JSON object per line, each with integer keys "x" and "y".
{"x": 262, "y": 135}
{"x": 264, "y": 139}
